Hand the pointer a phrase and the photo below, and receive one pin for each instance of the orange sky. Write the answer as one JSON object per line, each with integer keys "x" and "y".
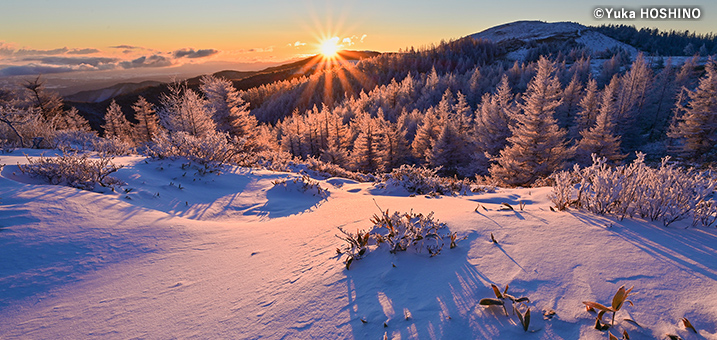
{"x": 177, "y": 32}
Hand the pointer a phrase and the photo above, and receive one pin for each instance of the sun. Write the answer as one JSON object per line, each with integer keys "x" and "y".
{"x": 330, "y": 48}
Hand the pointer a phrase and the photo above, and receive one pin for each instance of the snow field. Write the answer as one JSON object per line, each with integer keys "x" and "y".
{"x": 233, "y": 256}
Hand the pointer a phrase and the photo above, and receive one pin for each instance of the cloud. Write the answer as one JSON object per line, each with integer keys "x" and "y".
{"x": 24, "y": 52}
{"x": 75, "y": 61}
{"x": 144, "y": 61}
{"x": 350, "y": 41}
{"x": 126, "y": 47}
{"x": 259, "y": 49}
{"x": 192, "y": 54}
{"x": 33, "y": 69}
{"x": 83, "y": 51}
{"x": 297, "y": 44}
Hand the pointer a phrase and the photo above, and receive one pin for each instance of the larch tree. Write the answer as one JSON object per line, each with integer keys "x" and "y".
{"x": 426, "y": 134}
{"x": 589, "y": 109}
{"x": 493, "y": 119}
{"x": 537, "y": 146}
{"x": 630, "y": 102}
{"x": 229, "y": 111}
{"x": 72, "y": 121}
{"x": 366, "y": 155}
{"x": 147, "y": 125}
{"x": 599, "y": 138}
{"x": 185, "y": 111}
{"x": 116, "y": 125}
{"x": 695, "y": 124}
{"x": 565, "y": 113}
{"x": 394, "y": 146}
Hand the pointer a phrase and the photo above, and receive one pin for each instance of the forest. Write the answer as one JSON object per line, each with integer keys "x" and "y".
{"x": 459, "y": 108}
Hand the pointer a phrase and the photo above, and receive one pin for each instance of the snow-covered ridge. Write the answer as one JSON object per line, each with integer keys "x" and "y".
{"x": 539, "y": 31}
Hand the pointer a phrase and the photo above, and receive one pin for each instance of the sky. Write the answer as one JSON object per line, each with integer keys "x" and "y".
{"x": 50, "y": 36}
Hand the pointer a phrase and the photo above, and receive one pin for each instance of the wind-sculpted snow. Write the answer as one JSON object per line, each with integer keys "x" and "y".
{"x": 201, "y": 261}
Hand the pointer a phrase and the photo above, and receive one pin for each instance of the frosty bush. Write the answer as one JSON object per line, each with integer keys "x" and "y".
{"x": 424, "y": 181}
{"x": 399, "y": 232}
{"x": 75, "y": 170}
{"x": 112, "y": 146}
{"x": 74, "y": 140}
{"x": 284, "y": 161}
{"x": 666, "y": 193}
{"x": 211, "y": 151}
{"x": 77, "y": 140}
{"x": 304, "y": 184}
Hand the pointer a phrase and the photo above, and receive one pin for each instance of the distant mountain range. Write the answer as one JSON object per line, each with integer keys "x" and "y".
{"x": 242, "y": 79}
{"x": 93, "y": 104}
{"x": 521, "y": 40}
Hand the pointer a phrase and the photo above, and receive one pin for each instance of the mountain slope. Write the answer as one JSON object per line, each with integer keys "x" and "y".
{"x": 521, "y": 35}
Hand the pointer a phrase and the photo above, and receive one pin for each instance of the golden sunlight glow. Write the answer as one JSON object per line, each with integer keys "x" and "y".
{"x": 330, "y": 47}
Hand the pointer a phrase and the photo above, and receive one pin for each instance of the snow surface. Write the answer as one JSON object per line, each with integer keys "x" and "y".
{"x": 232, "y": 256}
{"x": 538, "y": 31}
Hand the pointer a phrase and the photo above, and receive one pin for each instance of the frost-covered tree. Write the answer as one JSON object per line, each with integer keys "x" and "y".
{"x": 565, "y": 113}
{"x": 229, "y": 111}
{"x": 394, "y": 148}
{"x": 600, "y": 138}
{"x": 451, "y": 152}
{"x": 366, "y": 155}
{"x": 426, "y": 134}
{"x": 147, "y": 125}
{"x": 537, "y": 146}
{"x": 631, "y": 98}
{"x": 184, "y": 110}
{"x": 695, "y": 124}
{"x": 492, "y": 123}
{"x": 71, "y": 121}
{"x": 589, "y": 109}
{"x": 49, "y": 103}
{"x": 116, "y": 125}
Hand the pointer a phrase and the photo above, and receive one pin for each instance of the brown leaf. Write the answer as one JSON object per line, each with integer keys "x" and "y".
{"x": 632, "y": 322}
{"x": 496, "y": 291}
{"x": 491, "y": 302}
{"x": 619, "y": 298}
{"x": 348, "y": 263}
{"x": 597, "y": 306}
{"x": 625, "y": 335}
{"x": 611, "y": 337}
{"x": 599, "y": 325}
{"x": 688, "y": 324}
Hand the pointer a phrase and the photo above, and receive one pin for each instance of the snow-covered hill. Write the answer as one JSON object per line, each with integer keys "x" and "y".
{"x": 516, "y": 35}
{"x": 177, "y": 255}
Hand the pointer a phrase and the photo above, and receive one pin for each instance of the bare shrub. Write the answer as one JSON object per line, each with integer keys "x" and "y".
{"x": 399, "y": 232}
{"x": 424, "y": 181}
{"x": 212, "y": 151}
{"x": 666, "y": 193}
{"x": 304, "y": 184}
{"x": 75, "y": 170}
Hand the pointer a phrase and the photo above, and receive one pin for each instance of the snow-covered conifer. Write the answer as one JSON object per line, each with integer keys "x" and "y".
{"x": 184, "y": 110}
{"x": 116, "y": 125}
{"x": 537, "y": 147}
{"x": 229, "y": 111}
{"x": 695, "y": 124}
{"x": 147, "y": 125}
